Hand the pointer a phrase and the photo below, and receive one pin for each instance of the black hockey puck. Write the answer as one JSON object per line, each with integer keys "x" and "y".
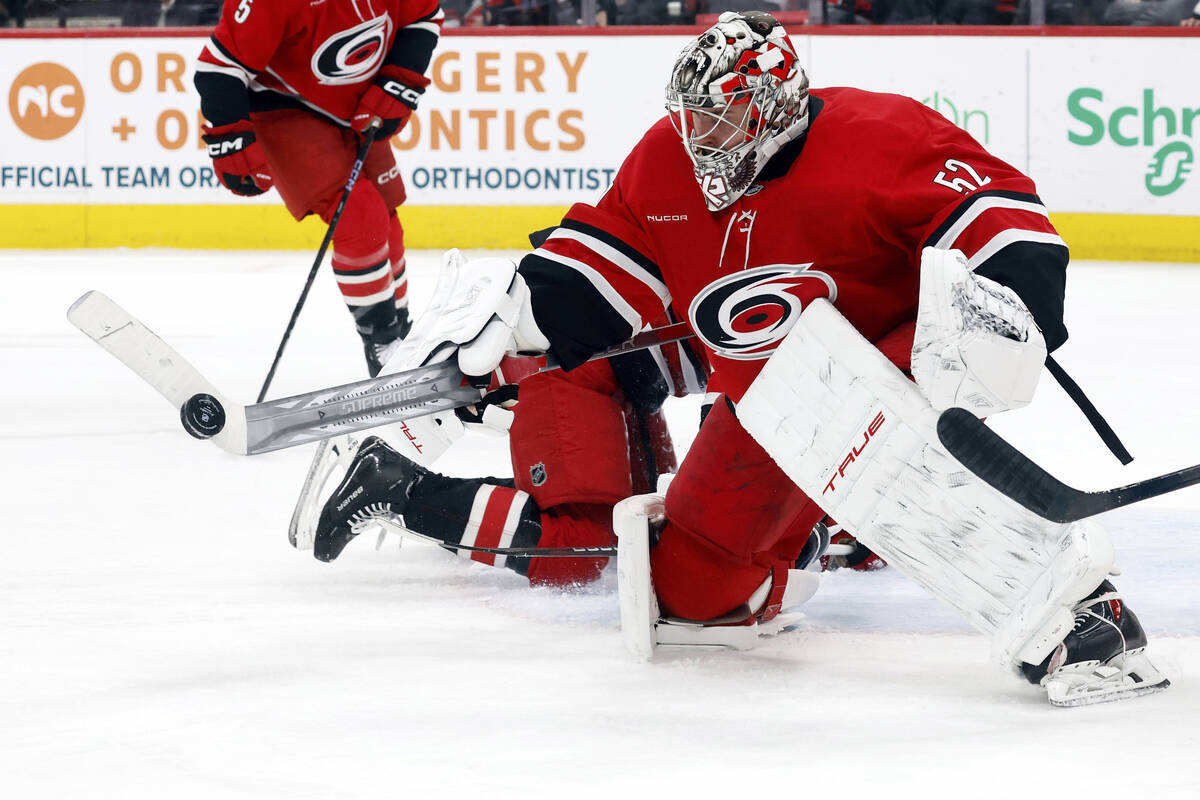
{"x": 202, "y": 416}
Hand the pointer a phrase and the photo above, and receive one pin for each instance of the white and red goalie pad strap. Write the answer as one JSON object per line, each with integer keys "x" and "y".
{"x": 859, "y": 438}
{"x": 492, "y": 522}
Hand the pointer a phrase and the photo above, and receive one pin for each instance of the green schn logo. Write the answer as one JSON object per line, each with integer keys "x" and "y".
{"x": 1148, "y": 125}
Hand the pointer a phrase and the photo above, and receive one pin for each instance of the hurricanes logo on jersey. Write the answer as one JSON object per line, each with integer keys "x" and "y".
{"x": 746, "y": 315}
{"x": 352, "y": 55}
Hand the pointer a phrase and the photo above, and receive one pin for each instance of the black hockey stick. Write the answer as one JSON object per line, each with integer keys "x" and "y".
{"x": 359, "y": 157}
{"x": 1009, "y": 471}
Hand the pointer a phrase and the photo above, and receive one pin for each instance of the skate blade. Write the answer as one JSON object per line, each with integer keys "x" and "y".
{"x": 330, "y": 454}
{"x": 1121, "y": 678}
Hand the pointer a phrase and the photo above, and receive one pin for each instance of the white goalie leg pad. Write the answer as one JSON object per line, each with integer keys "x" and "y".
{"x": 643, "y": 629}
{"x": 861, "y": 440}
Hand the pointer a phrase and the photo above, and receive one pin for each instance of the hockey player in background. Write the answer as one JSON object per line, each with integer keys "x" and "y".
{"x": 287, "y": 88}
{"x": 752, "y": 200}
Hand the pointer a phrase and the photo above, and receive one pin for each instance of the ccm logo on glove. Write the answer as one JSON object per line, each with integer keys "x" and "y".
{"x": 238, "y": 159}
{"x": 405, "y": 94}
{"x": 220, "y": 148}
{"x": 392, "y": 96}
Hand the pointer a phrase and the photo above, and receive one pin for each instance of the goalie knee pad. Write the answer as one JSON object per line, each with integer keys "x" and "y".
{"x": 733, "y": 496}
{"x": 694, "y": 581}
{"x": 568, "y": 440}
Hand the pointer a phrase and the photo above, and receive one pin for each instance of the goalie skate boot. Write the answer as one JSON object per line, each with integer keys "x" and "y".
{"x": 1102, "y": 659}
{"x": 377, "y": 484}
{"x": 379, "y": 343}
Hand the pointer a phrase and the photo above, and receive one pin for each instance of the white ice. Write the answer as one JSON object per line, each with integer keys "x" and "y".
{"x": 160, "y": 639}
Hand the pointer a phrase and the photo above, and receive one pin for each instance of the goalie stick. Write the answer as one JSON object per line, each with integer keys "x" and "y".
{"x": 1009, "y": 471}
{"x": 207, "y": 413}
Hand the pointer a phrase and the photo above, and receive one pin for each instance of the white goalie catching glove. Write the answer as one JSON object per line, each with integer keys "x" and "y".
{"x": 976, "y": 344}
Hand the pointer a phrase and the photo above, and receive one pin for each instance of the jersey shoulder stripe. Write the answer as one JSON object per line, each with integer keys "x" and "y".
{"x": 624, "y": 248}
{"x": 603, "y": 249}
{"x": 217, "y": 53}
{"x": 972, "y": 212}
{"x": 944, "y": 235}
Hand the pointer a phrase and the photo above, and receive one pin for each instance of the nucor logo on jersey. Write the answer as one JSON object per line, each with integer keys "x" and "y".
{"x": 746, "y": 315}
{"x": 352, "y": 55}
{"x": 392, "y": 398}
{"x": 856, "y": 450}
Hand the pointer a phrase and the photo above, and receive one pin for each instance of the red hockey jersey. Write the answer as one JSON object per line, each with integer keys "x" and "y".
{"x": 320, "y": 53}
{"x": 842, "y": 213}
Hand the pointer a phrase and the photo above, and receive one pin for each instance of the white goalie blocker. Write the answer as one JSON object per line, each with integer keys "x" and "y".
{"x": 861, "y": 439}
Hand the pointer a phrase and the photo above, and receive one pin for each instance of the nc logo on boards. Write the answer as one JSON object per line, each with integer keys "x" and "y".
{"x": 1168, "y": 133}
{"x": 46, "y": 101}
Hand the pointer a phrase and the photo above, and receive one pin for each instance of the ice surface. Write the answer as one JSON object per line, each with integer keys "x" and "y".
{"x": 160, "y": 639}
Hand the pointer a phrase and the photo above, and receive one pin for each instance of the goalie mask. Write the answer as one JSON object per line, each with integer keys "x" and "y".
{"x": 736, "y": 96}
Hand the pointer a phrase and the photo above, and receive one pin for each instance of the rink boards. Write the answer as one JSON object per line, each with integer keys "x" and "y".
{"x": 101, "y": 142}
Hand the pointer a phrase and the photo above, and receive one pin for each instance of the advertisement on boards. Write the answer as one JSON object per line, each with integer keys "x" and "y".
{"x": 1107, "y": 126}
{"x": 525, "y": 120}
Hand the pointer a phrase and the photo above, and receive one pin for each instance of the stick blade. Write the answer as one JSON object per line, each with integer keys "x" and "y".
{"x": 1007, "y": 470}
{"x": 158, "y": 364}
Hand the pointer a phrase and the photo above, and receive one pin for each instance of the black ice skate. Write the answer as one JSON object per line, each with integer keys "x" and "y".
{"x": 378, "y": 343}
{"x": 376, "y": 485}
{"x": 1102, "y": 659}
